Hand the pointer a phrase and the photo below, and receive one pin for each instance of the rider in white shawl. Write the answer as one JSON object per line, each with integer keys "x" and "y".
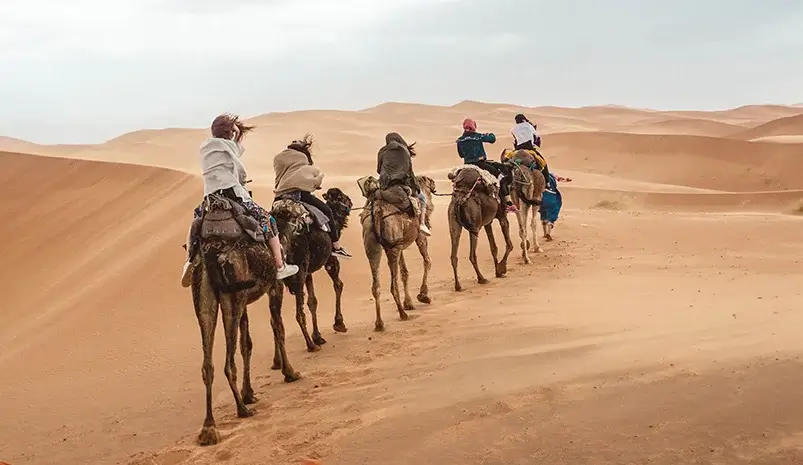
{"x": 223, "y": 172}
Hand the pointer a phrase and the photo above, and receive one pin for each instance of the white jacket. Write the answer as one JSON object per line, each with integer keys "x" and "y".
{"x": 221, "y": 166}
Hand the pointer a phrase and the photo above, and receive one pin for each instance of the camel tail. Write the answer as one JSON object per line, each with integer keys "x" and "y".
{"x": 223, "y": 276}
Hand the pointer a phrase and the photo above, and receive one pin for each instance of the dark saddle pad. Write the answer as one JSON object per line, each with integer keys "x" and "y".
{"x": 228, "y": 220}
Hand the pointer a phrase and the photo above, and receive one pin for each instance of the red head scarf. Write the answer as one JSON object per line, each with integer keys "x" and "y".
{"x": 469, "y": 125}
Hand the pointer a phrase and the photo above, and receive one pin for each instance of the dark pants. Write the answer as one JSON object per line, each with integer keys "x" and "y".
{"x": 496, "y": 169}
{"x": 308, "y": 197}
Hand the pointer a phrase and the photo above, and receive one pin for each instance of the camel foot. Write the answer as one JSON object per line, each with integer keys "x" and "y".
{"x": 246, "y": 412}
{"x": 292, "y": 377}
{"x": 208, "y": 436}
{"x": 340, "y": 327}
{"x": 483, "y": 281}
{"x": 403, "y": 316}
{"x": 501, "y": 270}
{"x": 409, "y": 305}
{"x": 318, "y": 339}
{"x": 313, "y": 348}
{"x": 458, "y": 288}
{"x": 424, "y": 299}
{"x": 276, "y": 366}
{"x": 538, "y": 250}
{"x": 379, "y": 326}
{"x": 249, "y": 398}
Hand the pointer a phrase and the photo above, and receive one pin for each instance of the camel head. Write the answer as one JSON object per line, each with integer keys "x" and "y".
{"x": 340, "y": 204}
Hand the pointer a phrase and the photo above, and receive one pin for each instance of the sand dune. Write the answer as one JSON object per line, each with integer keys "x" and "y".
{"x": 660, "y": 327}
{"x": 787, "y": 126}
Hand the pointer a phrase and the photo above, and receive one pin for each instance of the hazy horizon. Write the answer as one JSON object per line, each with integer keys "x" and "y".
{"x": 91, "y": 70}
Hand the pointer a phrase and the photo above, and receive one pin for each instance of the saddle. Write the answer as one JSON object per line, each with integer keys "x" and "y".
{"x": 525, "y": 157}
{"x": 226, "y": 220}
{"x": 470, "y": 176}
{"x": 398, "y": 195}
{"x": 299, "y": 214}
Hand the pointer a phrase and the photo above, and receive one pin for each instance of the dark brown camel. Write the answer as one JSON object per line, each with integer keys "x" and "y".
{"x": 473, "y": 206}
{"x": 386, "y": 227}
{"x": 310, "y": 248}
{"x": 233, "y": 271}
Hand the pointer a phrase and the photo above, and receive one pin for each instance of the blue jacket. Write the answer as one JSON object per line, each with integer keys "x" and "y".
{"x": 470, "y": 148}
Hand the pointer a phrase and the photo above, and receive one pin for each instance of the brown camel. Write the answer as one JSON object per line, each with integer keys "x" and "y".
{"x": 233, "y": 271}
{"x": 390, "y": 228}
{"x": 475, "y": 206}
{"x": 527, "y": 192}
{"x": 310, "y": 248}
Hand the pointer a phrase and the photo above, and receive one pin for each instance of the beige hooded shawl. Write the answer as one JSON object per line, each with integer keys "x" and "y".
{"x": 295, "y": 172}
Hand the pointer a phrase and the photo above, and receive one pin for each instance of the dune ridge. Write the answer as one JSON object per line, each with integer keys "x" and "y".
{"x": 661, "y": 324}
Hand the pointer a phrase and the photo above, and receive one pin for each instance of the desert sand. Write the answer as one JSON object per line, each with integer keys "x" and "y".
{"x": 661, "y": 326}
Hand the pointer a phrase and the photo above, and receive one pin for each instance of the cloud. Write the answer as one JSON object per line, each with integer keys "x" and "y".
{"x": 86, "y": 70}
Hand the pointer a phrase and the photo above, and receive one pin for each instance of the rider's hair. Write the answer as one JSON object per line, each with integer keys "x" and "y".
{"x": 520, "y": 118}
{"x": 223, "y": 127}
{"x": 304, "y": 145}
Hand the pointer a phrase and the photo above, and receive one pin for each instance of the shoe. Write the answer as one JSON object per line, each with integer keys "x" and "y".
{"x": 425, "y": 230}
{"x": 186, "y": 275}
{"x": 341, "y": 252}
{"x": 286, "y": 271}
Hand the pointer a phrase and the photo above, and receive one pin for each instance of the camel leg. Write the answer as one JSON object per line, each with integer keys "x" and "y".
{"x": 393, "y": 264}
{"x": 297, "y": 283}
{"x": 455, "y": 231}
{"x": 312, "y": 304}
{"x": 333, "y": 269}
{"x": 232, "y": 308}
{"x": 489, "y": 231}
{"x": 534, "y": 227}
{"x": 405, "y": 275}
{"x": 504, "y": 225}
{"x": 472, "y": 256}
{"x": 246, "y": 347}
{"x": 206, "y": 309}
{"x": 374, "y": 253}
{"x": 521, "y": 219}
{"x": 276, "y": 296}
{"x": 423, "y": 248}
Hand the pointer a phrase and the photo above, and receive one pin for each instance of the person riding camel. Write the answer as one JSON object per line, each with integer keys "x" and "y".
{"x": 471, "y": 149}
{"x": 224, "y": 174}
{"x": 297, "y": 178}
{"x": 525, "y": 138}
{"x": 395, "y": 167}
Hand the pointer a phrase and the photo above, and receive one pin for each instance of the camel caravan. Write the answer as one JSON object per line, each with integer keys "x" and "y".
{"x": 238, "y": 251}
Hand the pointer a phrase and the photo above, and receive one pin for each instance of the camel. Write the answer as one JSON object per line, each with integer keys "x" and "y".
{"x": 527, "y": 192}
{"x": 387, "y": 227}
{"x": 474, "y": 206}
{"x": 310, "y": 248}
{"x": 233, "y": 271}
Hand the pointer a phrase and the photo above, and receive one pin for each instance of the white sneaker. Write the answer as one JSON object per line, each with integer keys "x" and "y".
{"x": 286, "y": 271}
{"x": 424, "y": 229}
{"x": 186, "y": 275}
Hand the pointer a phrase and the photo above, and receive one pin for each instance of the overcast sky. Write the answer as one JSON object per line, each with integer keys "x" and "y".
{"x": 87, "y": 70}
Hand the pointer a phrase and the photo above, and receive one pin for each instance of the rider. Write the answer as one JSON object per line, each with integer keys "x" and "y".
{"x": 224, "y": 173}
{"x": 524, "y": 138}
{"x": 395, "y": 167}
{"x": 297, "y": 179}
{"x": 471, "y": 150}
